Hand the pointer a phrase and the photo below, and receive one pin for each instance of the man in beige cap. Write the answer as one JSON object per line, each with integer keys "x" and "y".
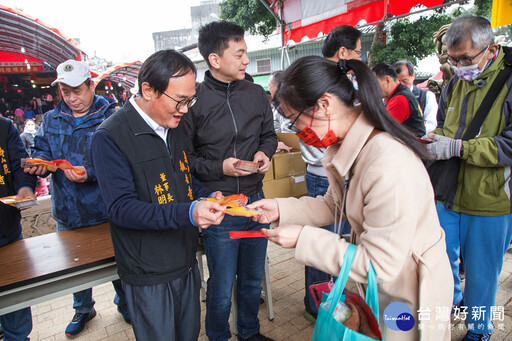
{"x": 66, "y": 133}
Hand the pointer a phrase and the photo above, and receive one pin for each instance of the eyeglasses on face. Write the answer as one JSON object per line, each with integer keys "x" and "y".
{"x": 359, "y": 52}
{"x": 291, "y": 126}
{"x": 187, "y": 102}
{"x": 465, "y": 61}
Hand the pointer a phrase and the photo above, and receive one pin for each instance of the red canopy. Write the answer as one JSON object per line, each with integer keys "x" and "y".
{"x": 20, "y": 32}
{"x": 309, "y": 18}
{"x": 11, "y": 62}
{"x": 437, "y": 77}
{"x": 125, "y": 73}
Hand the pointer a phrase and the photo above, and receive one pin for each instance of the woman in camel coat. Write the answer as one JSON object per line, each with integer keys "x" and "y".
{"x": 389, "y": 199}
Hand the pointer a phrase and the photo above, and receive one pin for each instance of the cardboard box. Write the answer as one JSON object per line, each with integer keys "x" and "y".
{"x": 270, "y": 174}
{"x": 293, "y": 186}
{"x": 290, "y": 139}
{"x": 276, "y": 188}
{"x": 288, "y": 164}
{"x": 298, "y": 186}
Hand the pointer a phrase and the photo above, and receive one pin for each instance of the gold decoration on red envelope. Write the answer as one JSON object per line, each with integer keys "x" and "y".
{"x": 235, "y": 205}
{"x": 248, "y": 166}
{"x": 51, "y": 165}
{"x": 242, "y": 211}
{"x": 20, "y": 204}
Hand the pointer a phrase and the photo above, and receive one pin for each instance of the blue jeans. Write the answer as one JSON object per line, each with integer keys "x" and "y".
{"x": 18, "y": 324}
{"x": 317, "y": 185}
{"x": 227, "y": 258}
{"x": 82, "y": 300}
{"x": 482, "y": 241}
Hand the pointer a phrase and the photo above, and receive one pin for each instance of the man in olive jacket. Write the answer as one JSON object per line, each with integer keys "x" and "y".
{"x": 478, "y": 224}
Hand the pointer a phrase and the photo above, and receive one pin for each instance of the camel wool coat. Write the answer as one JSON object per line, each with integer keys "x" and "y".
{"x": 390, "y": 206}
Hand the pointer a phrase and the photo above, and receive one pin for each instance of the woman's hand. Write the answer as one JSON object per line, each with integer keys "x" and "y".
{"x": 285, "y": 236}
{"x": 270, "y": 206}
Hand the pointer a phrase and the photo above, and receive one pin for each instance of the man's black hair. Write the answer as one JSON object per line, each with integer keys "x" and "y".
{"x": 345, "y": 35}
{"x": 215, "y": 36}
{"x": 384, "y": 69}
{"x": 161, "y": 66}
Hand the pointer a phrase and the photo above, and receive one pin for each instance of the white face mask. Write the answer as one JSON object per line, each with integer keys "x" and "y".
{"x": 470, "y": 72}
{"x": 30, "y": 129}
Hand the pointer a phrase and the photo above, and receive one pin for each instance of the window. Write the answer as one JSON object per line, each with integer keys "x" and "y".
{"x": 263, "y": 65}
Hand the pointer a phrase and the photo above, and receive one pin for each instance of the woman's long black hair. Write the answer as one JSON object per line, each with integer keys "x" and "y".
{"x": 309, "y": 78}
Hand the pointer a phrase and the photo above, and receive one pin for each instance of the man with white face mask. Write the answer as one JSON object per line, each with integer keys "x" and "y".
{"x": 478, "y": 223}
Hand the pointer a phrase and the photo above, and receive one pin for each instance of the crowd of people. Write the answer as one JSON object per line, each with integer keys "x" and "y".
{"x": 366, "y": 136}
{"x": 27, "y": 109}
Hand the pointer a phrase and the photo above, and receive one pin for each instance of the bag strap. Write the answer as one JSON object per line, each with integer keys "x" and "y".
{"x": 372, "y": 297}
{"x": 488, "y": 100}
{"x": 337, "y": 290}
{"x": 339, "y": 285}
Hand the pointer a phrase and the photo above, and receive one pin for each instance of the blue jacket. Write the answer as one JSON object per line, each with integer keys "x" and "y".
{"x": 73, "y": 204}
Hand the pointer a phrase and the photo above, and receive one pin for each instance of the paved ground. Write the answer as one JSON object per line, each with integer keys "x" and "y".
{"x": 287, "y": 278}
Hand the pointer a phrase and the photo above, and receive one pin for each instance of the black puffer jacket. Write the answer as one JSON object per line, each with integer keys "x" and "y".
{"x": 229, "y": 120}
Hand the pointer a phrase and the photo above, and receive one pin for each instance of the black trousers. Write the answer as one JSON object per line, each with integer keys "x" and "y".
{"x": 168, "y": 312}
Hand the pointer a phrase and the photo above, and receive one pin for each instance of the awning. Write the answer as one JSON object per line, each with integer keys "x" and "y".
{"x": 21, "y": 33}
{"x": 437, "y": 77}
{"x": 311, "y": 18}
{"x": 125, "y": 73}
{"x": 11, "y": 62}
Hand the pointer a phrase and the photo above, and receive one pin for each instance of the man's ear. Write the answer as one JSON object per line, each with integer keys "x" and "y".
{"x": 148, "y": 93}
{"x": 214, "y": 60}
{"x": 342, "y": 52}
{"x": 92, "y": 86}
{"x": 493, "y": 48}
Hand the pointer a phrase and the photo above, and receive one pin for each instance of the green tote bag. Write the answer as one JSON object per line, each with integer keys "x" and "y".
{"x": 326, "y": 327}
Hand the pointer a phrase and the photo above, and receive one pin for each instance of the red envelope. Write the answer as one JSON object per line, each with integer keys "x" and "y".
{"x": 245, "y": 234}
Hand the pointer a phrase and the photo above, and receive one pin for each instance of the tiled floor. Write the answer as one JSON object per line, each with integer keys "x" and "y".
{"x": 287, "y": 278}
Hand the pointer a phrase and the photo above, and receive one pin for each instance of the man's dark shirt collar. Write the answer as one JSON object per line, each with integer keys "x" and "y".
{"x": 216, "y": 84}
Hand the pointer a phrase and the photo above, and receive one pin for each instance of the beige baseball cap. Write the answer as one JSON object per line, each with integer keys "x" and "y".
{"x": 72, "y": 73}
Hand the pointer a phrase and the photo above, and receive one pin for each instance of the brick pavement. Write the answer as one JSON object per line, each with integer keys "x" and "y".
{"x": 287, "y": 278}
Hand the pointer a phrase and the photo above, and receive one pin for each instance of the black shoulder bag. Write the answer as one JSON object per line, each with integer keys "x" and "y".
{"x": 444, "y": 174}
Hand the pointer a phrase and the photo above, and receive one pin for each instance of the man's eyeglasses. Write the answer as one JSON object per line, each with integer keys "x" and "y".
{"x": 466, "y": 61}
{"x": 187, "y": 102}
{"x": 291, "y": 126}
{"x": 359, "y": 52}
